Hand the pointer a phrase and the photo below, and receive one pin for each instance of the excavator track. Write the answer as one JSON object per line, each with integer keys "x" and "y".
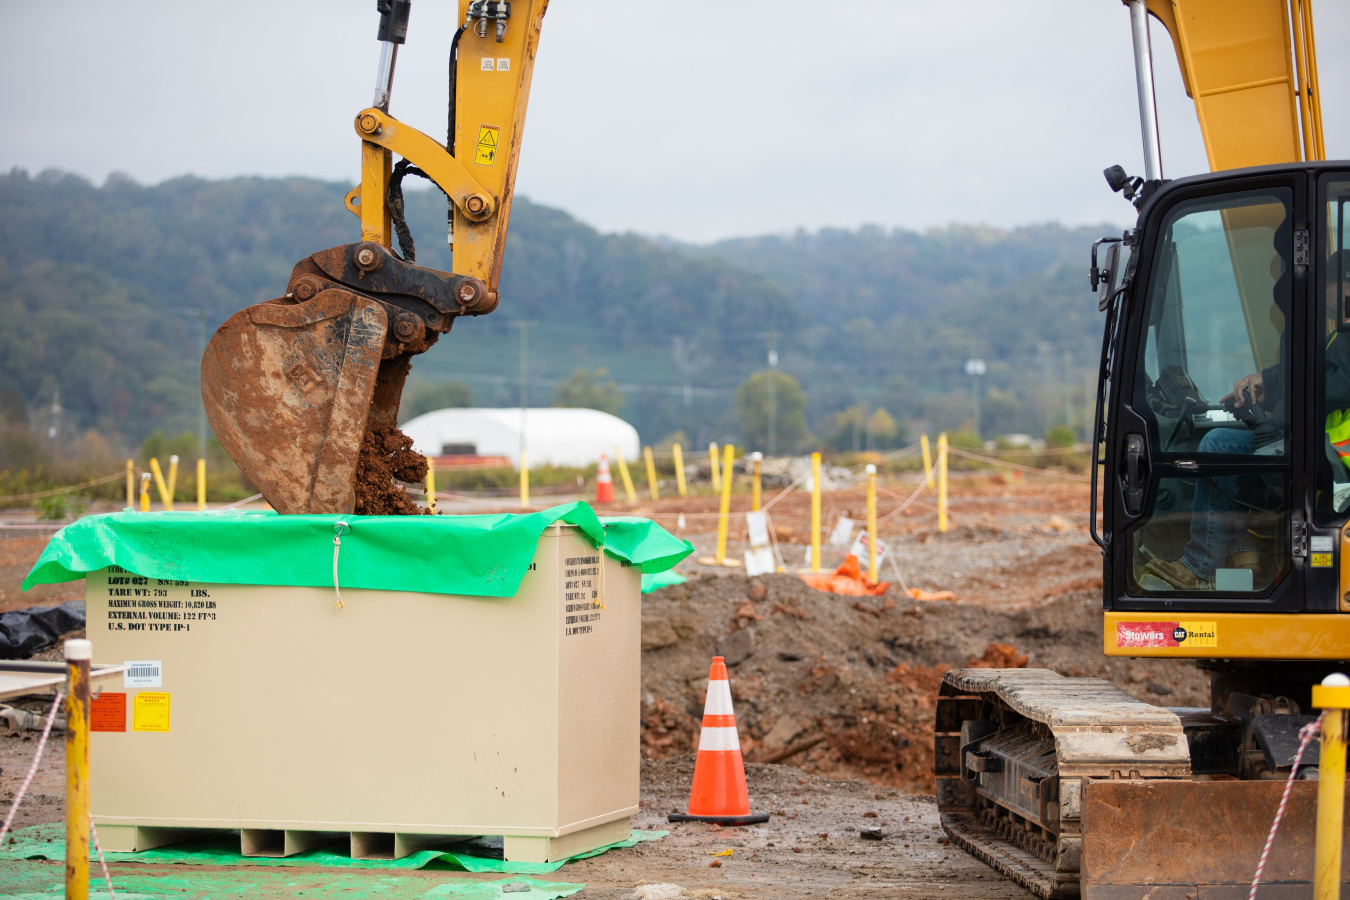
{"x": 1014, "y": 750}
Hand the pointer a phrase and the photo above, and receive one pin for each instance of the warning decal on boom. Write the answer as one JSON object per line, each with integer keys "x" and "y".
{"x": 486, "y": 154}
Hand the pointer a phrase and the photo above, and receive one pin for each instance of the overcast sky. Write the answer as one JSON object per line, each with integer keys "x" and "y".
{"x": 696, "y": 119}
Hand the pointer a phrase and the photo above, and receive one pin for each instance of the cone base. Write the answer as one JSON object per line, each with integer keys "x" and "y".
{"x": 748, "y": 819}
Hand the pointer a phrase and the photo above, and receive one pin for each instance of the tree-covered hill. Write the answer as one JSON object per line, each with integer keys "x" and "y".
{"x": 103, "y": 291}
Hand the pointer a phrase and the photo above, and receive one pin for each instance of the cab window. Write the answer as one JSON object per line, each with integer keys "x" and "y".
{"x": 1212, "y": 385}
{"x": 1332, "y": 279}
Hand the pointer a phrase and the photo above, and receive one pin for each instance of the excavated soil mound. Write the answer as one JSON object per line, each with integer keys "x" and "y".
{"x": 848, "y": 683}
{"x": 386, "y": 455}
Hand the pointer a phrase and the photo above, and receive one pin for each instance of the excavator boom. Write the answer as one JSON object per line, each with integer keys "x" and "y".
{"x": 303, "y": 391}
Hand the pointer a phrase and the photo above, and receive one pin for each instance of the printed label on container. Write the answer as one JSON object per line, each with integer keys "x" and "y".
{"x": 1167, "y": 634}
{"x": 150, "y": 711}
{"x": 143, "y": 673}
{"x": 108, "y": 712}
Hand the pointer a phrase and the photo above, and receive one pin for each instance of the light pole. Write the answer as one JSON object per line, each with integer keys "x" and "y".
{"x": 773, "y": 394}
{"x": 975, "y": 368}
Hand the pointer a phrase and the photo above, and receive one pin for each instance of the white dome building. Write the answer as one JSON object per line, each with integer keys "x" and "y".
{"x": 561, "y": 437}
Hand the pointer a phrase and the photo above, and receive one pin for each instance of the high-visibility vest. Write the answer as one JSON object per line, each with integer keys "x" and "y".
{"x": 1338, "y": 430}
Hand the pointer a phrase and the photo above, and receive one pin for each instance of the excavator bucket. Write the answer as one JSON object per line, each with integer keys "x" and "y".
{"x": 288, "y": 389}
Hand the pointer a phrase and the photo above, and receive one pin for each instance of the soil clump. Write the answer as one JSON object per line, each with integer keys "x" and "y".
{"x": 387, "y": 455}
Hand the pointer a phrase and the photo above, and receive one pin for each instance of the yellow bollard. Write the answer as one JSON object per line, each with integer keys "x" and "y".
{"x": 159, "y": 483}
{"x": 78, "y": 655}
{"x": 431, "y": 484}
{"x": 679, "y": 470}
{"x": 724, "y": 512}
{"x": 815, "y": 512}
{"x": 716, "y": 472}
{"x": 145, "y": 492}
{"x": 624, "y": 476}
{"x": 927, "y": 460}
{"x": 131, "y": 485}
{"x": 524, "y": 480}
{"x": 201, "y": 483}
{"x": 173, "y": 478}
{"x": 756, "y": 480}
{"x": 651, "y": 473}
{"x": 942, "y": 481}
{"x": 1332, "y": 696}
{"x": 872, "y": 522}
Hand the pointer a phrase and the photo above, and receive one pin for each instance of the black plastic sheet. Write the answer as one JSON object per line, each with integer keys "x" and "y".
{"x": 24, "y": 632}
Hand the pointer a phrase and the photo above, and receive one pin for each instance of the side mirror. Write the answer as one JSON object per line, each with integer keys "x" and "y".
{"x": 1108, "y": 275}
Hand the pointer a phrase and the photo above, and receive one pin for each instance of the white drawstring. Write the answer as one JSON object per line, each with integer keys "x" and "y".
{"x": 337, "y": 548}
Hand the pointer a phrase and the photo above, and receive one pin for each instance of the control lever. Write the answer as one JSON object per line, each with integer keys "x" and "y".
{"x": 1136, "y": 474}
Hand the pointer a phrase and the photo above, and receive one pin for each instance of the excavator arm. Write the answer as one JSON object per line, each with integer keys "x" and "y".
{"x": 1251, "y": 68}
{"x": 303, "y": 391}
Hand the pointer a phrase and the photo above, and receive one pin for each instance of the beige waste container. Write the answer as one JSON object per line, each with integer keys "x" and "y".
{"x": 396, "y": 722}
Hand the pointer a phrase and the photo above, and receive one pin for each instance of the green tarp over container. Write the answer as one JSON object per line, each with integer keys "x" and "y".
{"x": 484, "y": 556}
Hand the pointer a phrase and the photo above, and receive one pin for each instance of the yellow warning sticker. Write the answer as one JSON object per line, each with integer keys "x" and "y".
{"x": 150, "y": 711}
{"x": 486, "y": 154}
{"x": 1322, "y": 560}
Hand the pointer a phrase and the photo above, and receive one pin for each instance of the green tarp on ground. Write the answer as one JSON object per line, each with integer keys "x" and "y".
{"x": 484, "y": 556}
{"x": 40, "y": 882}
{"x": 222, "y": 849}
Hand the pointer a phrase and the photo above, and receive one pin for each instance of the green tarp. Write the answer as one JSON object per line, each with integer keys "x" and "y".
{"x": 657, "y": 580}
{"x": 222, "y": 849}
{"x": 484, "y": 556}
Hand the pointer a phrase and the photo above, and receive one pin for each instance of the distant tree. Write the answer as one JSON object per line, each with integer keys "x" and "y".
{"x": 752, "y": 399}
{"x": 881, "y": 430}
{"x": 445, "y": 395}
{"x": 1060, "y": 436}
{"x": 589, "y": 389}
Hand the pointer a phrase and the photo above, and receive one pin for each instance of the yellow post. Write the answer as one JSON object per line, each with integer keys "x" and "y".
{"x": 173, "y": 478}
{"x": 78, "y": 654}
{"x": 716, "y": 472}
{"x": 160, "y": 485}
{"x": 872, "y": 523}
{"x": 145, "y": 492}
{"x": 927, "y": 460}
{"x": 1333, "y": 696}
{"x": 131, "y": 485}
{"x": 815, "y": 512}
{"x": 524, "y": 480}
{"x": 201, "y": 483}
{"x": 724, "y": 512}
{"x": 942, "y": 481}
{"x": 679, "y": 470}
{"x": 756, "y": 480}
{"x": 624, "y": 476}
{"x": 651, "y": 473}
{"x": 431, "y": 484}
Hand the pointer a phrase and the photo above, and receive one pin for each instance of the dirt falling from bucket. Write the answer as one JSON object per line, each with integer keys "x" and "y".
{"x": 387, "y": 455}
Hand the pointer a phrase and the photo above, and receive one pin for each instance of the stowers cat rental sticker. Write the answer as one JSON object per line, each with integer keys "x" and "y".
{"x": 1167, "y": 634}
{"x": 150, "y": 711}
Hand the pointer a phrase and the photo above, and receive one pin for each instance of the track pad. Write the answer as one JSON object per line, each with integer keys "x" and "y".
{"x": 288, "y": 389}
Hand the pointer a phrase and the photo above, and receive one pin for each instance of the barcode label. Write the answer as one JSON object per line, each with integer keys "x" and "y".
{"x": 143, "y": 673}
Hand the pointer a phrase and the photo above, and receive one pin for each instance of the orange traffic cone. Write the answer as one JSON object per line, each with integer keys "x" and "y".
{"x": 604, "y": 485}
{"x": 719, "y": 793}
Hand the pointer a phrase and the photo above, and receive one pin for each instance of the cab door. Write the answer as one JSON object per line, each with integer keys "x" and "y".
{"x": 1205, "y": 477}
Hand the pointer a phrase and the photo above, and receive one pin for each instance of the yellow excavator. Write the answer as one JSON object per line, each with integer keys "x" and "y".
{"x": 303, "y": 391}
{"x": 1222, "y": 439}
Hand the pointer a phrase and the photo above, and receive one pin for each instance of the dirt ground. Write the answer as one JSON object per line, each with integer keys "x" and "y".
{"x": 836, "y": 692}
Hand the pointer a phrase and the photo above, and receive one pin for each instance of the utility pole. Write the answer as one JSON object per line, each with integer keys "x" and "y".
{"x": 524, "y": 382}
{"x": 201, "y": 411}
{"x": 1068, "y": 385}
{"x": 1047, "y": 383}
{"x": 773, "y": 393}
